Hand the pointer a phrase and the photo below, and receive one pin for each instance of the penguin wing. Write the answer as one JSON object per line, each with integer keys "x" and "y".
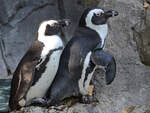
{"x": 102, "y": 58}
{"x": 24, "y": 74}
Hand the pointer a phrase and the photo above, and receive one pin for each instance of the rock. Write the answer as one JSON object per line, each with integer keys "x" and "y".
{"x": 3, "y": 71}
{"x": 141, "y": 35}
{"x": 3, "y": 17}
{"x": 131, "y": 85}
{"x": 21, "y": 14}
{"x": 77, "y": 108}
{"x": 137, "y": 109}
{"x": 35, "y": 110}
{"x": 74, "y": 9}
{"x": 7, "y": 10}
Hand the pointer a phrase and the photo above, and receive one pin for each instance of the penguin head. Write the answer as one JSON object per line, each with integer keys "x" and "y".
{"x": 95, "y": 17}
{"x": 52, "y": 27}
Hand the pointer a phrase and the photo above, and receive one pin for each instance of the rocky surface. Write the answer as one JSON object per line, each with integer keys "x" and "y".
{"x": 142, "y": 34}
{"x": 128, "y": 41}
{"x": 137, "y": 109}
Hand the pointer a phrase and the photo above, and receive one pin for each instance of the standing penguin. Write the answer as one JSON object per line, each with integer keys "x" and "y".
{"x": 81, "y": 57}
{"x": 37, "y": 69}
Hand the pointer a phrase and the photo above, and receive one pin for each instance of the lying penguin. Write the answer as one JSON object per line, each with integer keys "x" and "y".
{"x": 81, "y": 56}
{"x": 37, "y": 69}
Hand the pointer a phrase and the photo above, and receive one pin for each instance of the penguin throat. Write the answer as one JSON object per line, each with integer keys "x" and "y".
{"x": 102, "y": 31}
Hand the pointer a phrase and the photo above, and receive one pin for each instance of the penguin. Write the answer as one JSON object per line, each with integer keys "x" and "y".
{"x": 37, "y": 69}
{"x": 80, "y": 58}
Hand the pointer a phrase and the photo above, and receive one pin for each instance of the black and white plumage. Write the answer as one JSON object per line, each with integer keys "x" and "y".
{"x": 78, "y": 61}
{"x": 37, "y": 69}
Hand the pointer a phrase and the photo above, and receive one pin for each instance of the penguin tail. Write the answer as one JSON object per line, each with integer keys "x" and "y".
{"x": 102, "y": 58}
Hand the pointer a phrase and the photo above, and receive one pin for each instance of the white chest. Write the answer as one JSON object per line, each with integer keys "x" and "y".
{"x": 50, "y": 43}
{"x": 42, "y": 85}
{"x": 83, "y": 85}
{"x": 102, "y": 31}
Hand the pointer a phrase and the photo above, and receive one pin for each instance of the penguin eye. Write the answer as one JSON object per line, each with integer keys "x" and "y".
{"x": 54, "y": 24}
{"x": 98, "y": 14}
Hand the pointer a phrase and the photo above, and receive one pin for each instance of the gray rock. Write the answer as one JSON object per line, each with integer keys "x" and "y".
{"x": 143, "y": 44}
{"x": 3, "y": 17}
{"x": 141, "y": 36}
{"x": 131, "y": 86}
{"x": 3, "y": 71}
{"x": 137, "y": 109}
{"x": 21, "y": 14}
{"x": 74, "y": 9}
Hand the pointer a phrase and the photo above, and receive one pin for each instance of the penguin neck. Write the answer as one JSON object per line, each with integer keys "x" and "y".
{"x": 102, "y": 31}
{"x": 50, "y": 43}
{"x": 47, "y": 40}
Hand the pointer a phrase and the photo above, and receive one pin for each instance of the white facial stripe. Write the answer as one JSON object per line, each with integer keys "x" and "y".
{"x": 90, "y": 15}
{"x": 81, "y": 81}
{"x": 102, "y": 30}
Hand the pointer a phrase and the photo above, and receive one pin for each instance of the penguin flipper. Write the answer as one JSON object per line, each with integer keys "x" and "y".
{"x": 19, "y": 91}
{"x": 102, "y": 58}
{"x": 22, "y": 77}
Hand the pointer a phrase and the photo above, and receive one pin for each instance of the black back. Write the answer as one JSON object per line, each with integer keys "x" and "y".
{"x": 71, "y": 64}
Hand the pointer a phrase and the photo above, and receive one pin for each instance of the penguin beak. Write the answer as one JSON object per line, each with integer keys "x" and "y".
{"x": 64, "y": 22}
{"x": 111, "y": 13}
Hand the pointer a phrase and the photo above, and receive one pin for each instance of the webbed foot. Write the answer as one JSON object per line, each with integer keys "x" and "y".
{"x": 87, "y": 99}
{"x": 39, "y": 102}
